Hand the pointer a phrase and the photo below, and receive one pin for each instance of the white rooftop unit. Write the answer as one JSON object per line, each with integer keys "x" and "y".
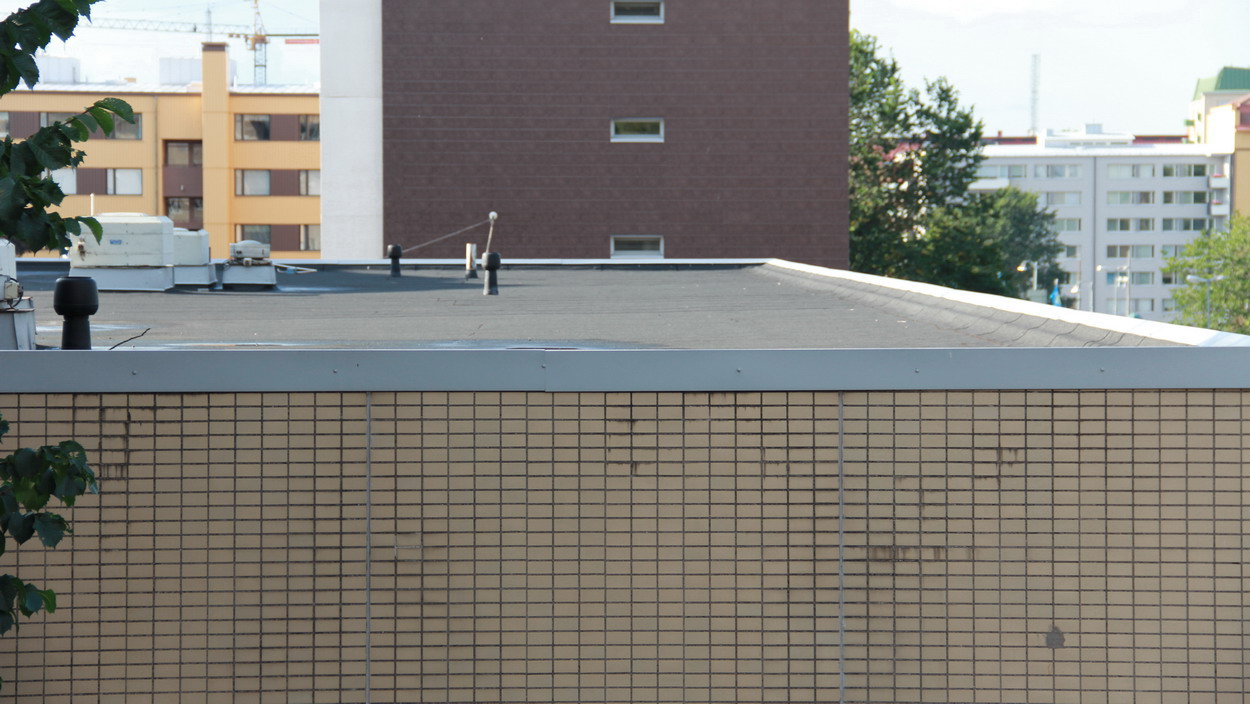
{"x": 136, "y": 253}
{"x": 193, "y": 264}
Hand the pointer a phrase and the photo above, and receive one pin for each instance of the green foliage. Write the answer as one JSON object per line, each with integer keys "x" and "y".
{"x": 910, "y": 153}
{"x": 27, "y": 190}
{"x": 29, "y": 479}
{"x": 1214, "y": 254}
{"x": 913, "y": 157}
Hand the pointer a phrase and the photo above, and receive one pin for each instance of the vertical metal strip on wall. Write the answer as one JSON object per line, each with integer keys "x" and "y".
{"x": 841, "y": 551}
{"x": 368, "y": 547}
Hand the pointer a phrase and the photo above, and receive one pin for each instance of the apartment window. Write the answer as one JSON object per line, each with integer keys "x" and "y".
{"x": 310, "y": 182}
{"x": 637, "y": 246}
{"x": 258, "y": 233}
{"x": 1185, "y": 170}
{"x": 1186, "y": 224}
{"x": 67, "y": 179}
{"x": 1135, "y": 251}
{"x": 1130, "y": 197}
{"x": 310, "y": 128}
{"x": 1168, "y": 278}
{"x": 184, "y": 153}
{"x": 1062, "y": 198}
{"x": 251, "y": 182}
{"x": 1130, "y": 224}
{"x": 249, "y": 128}
{"x": 1169, "y": 305}
{"x": 185, "y": 212}
{"x": 1116, "y": 306}
{"x": 638, "y": 12}
{"x": 1067, "y": 224}
{"x": 637, "y": 129}
{"x": 121, "y": 128}
{"x": 1002, "y": 171}
{"x": 127, "y": 130}
{"x": 1171, "y": 250}
{"x": 1139, "y": 278}
{"x": 125, "y": 182}
{"x": 1058, "y": 171}
{"x": 310, "y": 238}
{"x": 1071, "y": 251}
{"x": 1131, "y": 171}
{"x": 4, "y": 125}
{"x": 1185, "y": 197}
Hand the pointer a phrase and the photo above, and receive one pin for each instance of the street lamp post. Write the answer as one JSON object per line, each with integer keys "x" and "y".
{"x": 1021, "y": 267}
{"x": 1208, "y": 280}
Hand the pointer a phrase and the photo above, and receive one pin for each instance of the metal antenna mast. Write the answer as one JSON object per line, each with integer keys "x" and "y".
{"x": 1033, "y": 93}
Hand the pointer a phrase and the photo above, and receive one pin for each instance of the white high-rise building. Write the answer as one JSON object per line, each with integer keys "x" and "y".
{"x": 1122, "y": 205}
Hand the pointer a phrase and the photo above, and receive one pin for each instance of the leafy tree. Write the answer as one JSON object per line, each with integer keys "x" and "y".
{"x": 1212, "y": 255}
{"x": 1024, "y": 233}
{"x": 911, "y": 152}
{"x": 27, "y": 190}
{"x": 30, "y": 478}
{"x": 913, "y": 156}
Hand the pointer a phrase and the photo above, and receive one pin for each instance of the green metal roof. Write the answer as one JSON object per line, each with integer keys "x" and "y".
{"x": 1230, "y": 78}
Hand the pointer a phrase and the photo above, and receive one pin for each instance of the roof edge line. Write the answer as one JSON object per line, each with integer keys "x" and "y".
{"x": 1155, "y": 330}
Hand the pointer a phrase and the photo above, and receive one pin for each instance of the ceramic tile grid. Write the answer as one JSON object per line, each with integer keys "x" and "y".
{"x": 676, "y": 547}
{"x": 1046, "y": 546}
{"x": 481, "y": 547}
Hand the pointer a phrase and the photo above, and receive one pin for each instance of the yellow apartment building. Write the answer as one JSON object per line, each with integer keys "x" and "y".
{"x": 242, "y": 162}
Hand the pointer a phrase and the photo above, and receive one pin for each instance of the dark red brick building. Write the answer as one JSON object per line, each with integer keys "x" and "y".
{"x": 699, "y": 128}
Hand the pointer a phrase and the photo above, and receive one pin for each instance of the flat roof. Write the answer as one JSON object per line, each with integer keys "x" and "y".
{"x": 592, "y": 306}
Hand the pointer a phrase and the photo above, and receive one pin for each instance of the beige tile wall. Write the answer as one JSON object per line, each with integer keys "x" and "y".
{"x": 482, "y": 547}
{"x": 999, "y": 547}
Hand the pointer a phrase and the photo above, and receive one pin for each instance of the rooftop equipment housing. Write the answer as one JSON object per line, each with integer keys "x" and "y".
{"x": 136, "y": 253}
{"x": 193, "y": 264}
{"x": 17, "y": 313}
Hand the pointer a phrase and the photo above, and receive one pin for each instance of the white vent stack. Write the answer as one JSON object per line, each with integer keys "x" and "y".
{"x": 193, "y": 263}
{"x": 136, "y": 253}
{"x": 17, "y": 313}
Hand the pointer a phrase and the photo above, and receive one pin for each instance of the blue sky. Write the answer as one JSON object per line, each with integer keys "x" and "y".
{"x": 108, "y": 54}
{"x": 1128, "y": 65}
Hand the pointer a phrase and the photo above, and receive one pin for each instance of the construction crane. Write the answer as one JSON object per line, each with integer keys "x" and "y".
{"x": 254, "y": 37}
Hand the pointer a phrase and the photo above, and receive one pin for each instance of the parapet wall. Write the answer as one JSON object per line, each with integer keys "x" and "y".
{"x": 641, "y": 546}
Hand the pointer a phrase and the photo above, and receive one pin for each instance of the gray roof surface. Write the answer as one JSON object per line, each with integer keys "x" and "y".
{"x": 561, "y": 307}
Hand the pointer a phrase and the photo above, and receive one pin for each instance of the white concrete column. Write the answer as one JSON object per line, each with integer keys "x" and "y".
{"x": 351, "y": 129}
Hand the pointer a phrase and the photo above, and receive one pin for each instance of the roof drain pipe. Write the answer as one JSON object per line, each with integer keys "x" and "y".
{"x": 394, "y": 252}
{"x": 470, "y": 261}
{"x": 76, "y": 298}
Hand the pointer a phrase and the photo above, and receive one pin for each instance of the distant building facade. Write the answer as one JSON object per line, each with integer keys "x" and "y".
{"x": 242, "y": 162}
{"x": 1123, "y": 205}
{"x": 640, "y": 129}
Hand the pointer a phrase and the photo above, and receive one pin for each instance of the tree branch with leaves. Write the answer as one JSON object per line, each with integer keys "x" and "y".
{"x": 28, "y": 193}
{"x": 31, "y": 478}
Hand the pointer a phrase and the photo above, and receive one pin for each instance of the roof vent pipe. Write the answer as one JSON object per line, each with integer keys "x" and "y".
{"x": 394, "y": 252}
{"x": 77, "y": 299}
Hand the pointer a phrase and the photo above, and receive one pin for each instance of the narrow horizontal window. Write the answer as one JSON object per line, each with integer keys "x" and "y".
{"x": 637, "y": 246}
{"x": 125, "y": 182}
{"x": 251, "y": 182}
{"x": 638, "y": 130}
{"x": 637, "y": 12}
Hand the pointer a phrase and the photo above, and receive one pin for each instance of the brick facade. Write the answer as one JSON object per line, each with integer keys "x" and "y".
{"x": 507, "y": 106}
